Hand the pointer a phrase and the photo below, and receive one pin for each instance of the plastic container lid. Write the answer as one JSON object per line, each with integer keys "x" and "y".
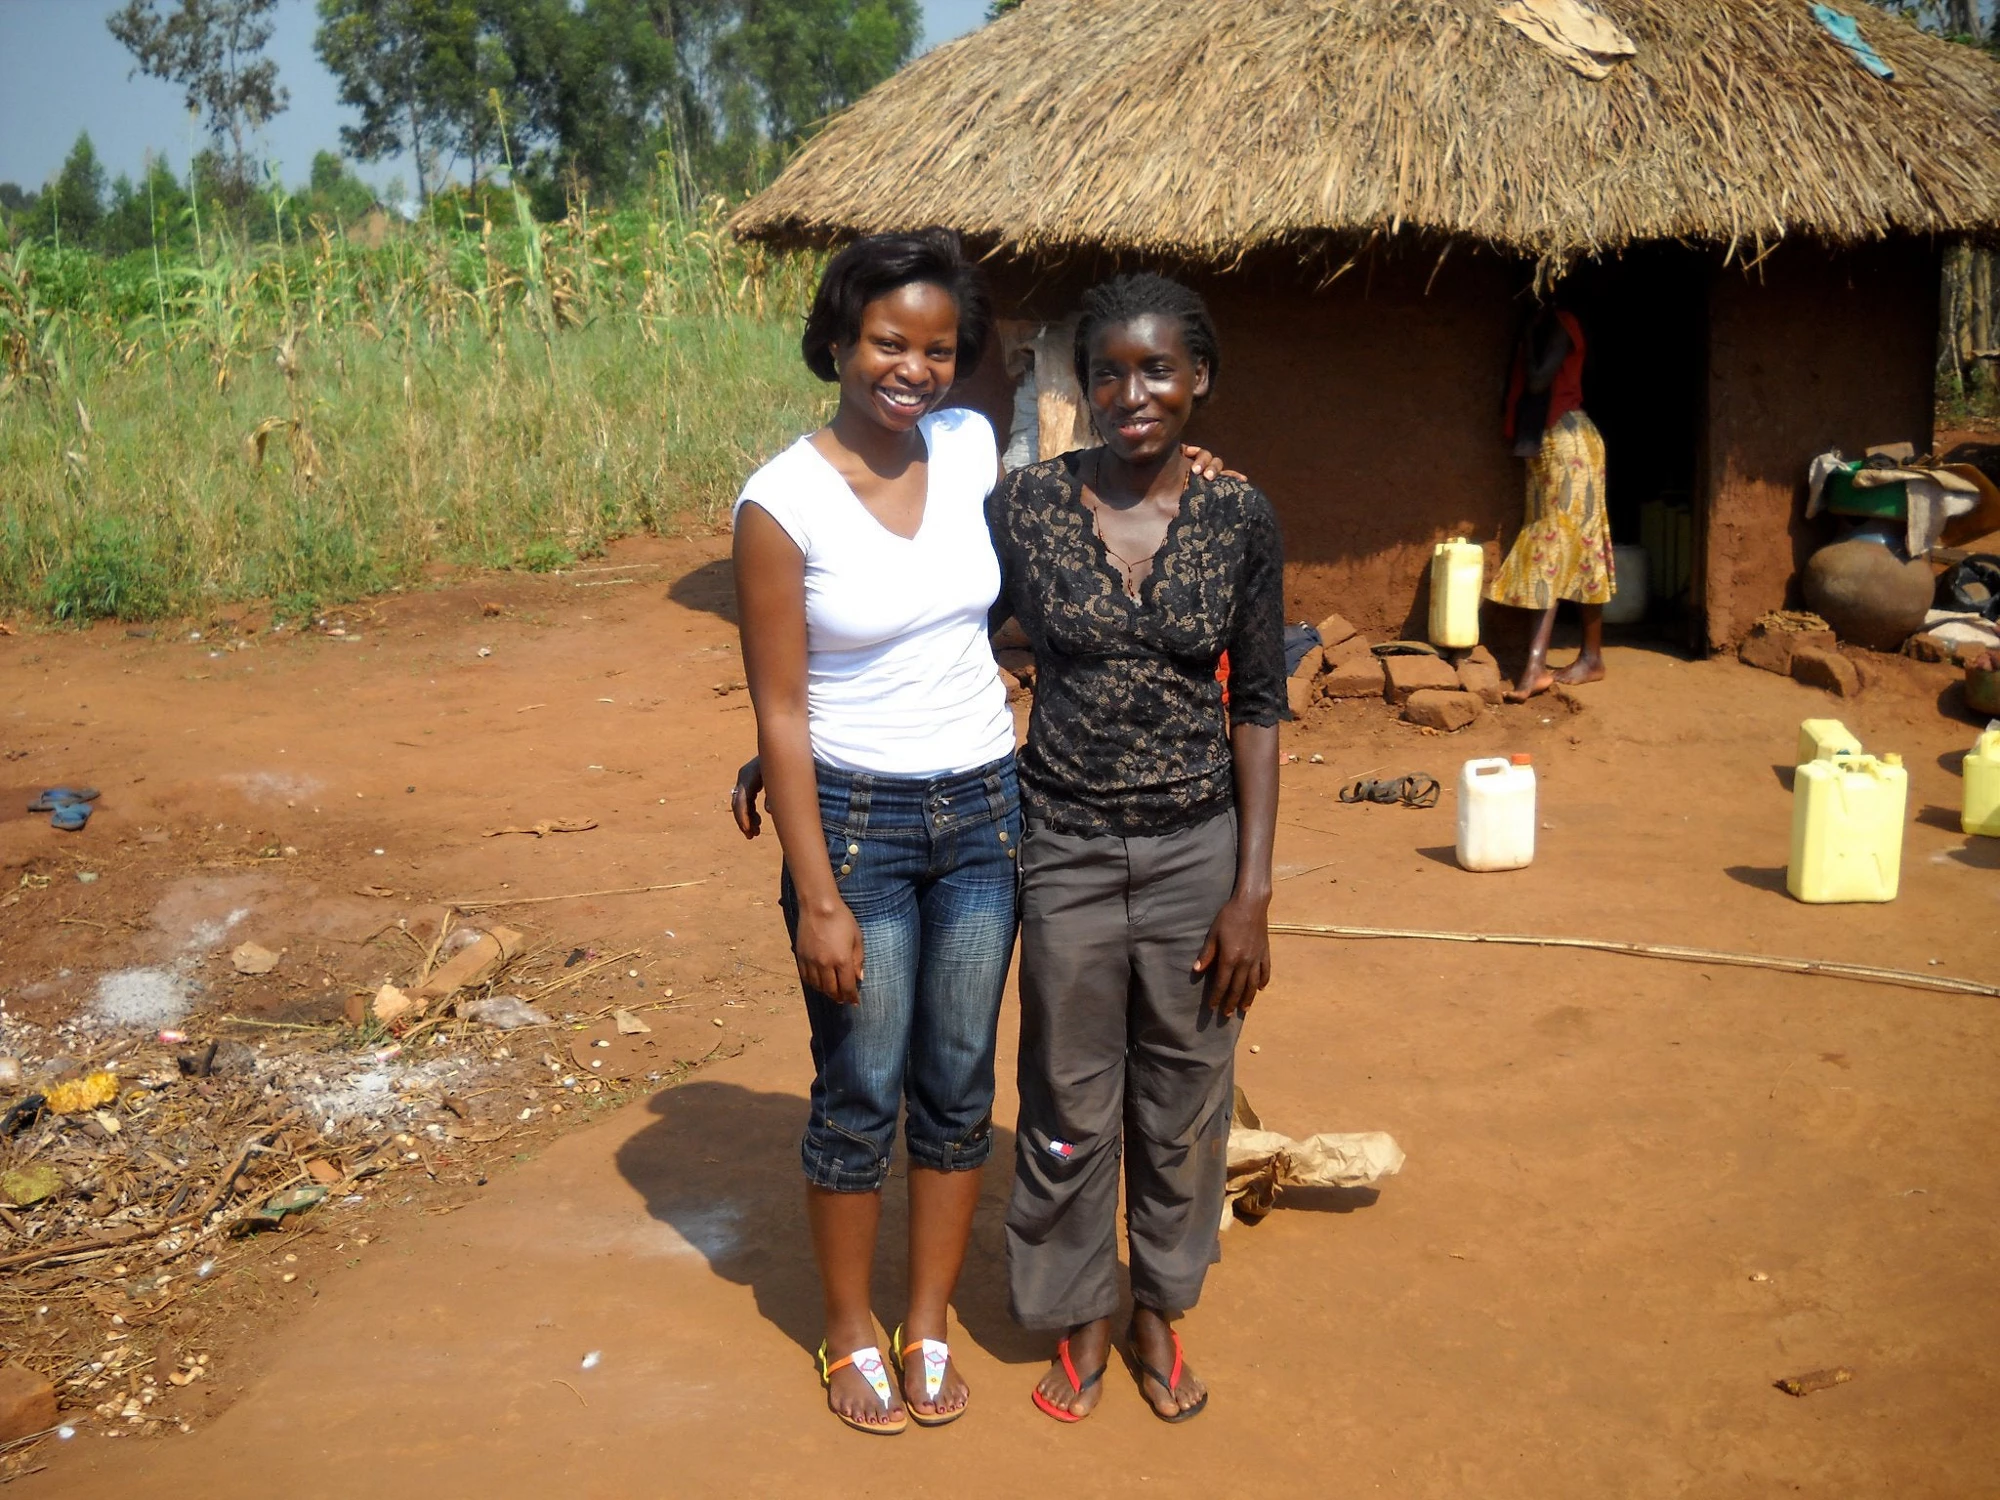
{"x": 1892, "y": 759}
{"x": 1522, "y": 759}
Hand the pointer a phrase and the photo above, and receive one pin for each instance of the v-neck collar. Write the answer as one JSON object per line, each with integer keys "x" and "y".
{"x": 930, "y": 472}
{"x": 1101, "y": 554}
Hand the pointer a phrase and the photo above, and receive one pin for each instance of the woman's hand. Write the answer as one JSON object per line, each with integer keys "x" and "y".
{"x": 1205, "y": 463}
{"x": 829, "y": 952}
{"x": 743, "y": 797}
{"x": 1237, "y": 955}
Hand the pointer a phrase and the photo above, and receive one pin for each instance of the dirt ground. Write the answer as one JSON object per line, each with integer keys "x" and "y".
{"x": 1637, "y": 1192}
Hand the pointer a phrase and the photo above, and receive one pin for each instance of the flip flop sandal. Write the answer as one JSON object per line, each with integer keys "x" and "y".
{"x": 1078, "y": 1386}
{"x": 1171, "y": 1385}
{"x": 62, "y": 796}
{"x": 936, "y": 1355}
{"x": 1405, "y": 648}
{"x": 868, "y": 1362}
{"x": 1372, "y": 791}
{"x": 1418, "y": 791}
{"x": 70, "y": 816}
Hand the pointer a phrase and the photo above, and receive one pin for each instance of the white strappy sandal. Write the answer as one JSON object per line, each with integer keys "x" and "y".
{"x": 868, "y": 1362}
{"x": 936, "y": 1354}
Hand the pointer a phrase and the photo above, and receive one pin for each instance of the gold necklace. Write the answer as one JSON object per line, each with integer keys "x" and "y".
{"x": 1127, "y": 568}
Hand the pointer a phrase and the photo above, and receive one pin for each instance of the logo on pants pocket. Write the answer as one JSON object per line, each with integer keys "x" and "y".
{"x": 1061, "y": 1150}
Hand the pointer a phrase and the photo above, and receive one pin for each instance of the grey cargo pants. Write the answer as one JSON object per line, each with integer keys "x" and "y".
{"x": 1116, "y": 1038}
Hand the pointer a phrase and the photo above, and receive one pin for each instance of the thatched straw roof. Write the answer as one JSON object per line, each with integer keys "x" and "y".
{"x": 1202, "y": 129}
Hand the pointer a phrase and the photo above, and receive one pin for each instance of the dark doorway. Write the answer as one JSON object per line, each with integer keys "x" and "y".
{"x": 1645, "y": 321}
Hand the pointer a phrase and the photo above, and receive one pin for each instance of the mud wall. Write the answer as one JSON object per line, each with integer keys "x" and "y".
{"x": 1368, "y": 409}
{"x": 1815, "y": 349}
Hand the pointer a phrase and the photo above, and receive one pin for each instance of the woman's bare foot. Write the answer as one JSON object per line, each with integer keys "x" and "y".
{"x": 1586, "y": 668}
{"x": 1089, "y": 1352}
{"x": 850, "y": 1395}
{"x": 1529, "y": 687}
{"x": 1151, "y": 1338}
{"x": 952, "y": 1393}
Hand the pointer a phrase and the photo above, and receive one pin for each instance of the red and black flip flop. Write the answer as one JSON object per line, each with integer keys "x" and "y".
{"x": 1170, "y": 1384}
{"x": 1079, "y": 1386}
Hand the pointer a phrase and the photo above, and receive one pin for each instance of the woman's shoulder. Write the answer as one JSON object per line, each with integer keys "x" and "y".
{"x": 1241, "y": 497}
{"x": 786, "y": 482}
{"x": 962, "y": 427}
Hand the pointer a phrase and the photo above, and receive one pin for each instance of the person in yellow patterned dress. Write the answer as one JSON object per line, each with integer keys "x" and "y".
{"x": 1564, "y": 547}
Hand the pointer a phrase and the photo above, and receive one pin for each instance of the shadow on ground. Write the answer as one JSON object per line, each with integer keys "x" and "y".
{"x": 720, "y": 1165}
{"x": 710, "y": 588}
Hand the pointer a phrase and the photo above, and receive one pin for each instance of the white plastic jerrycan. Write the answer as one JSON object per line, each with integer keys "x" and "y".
{"x": 1496, "y": 813}
{"x": 1981, "y": 812}
{"x": 1457, "y": 568}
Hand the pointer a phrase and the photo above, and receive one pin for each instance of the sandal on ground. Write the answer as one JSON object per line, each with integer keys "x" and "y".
{"x": 1411, "y": 791}
{"x": 1076, "y": 1385}
{"x": 868, "y": 1362}
{"x": 936, "y": 1355}
{"x": 62, "y": 796}
{"x": 70, "y": 816}
{"x": 1170, "y": 1384}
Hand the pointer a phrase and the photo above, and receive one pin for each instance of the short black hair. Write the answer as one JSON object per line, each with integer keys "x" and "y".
{"x": 874, "y": 267}
{"x": 1123, "y": 298}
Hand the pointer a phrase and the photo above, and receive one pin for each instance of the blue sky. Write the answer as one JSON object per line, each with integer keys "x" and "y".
{"x": 61, "y": 72}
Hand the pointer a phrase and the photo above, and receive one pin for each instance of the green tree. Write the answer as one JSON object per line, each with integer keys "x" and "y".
{"x": 334, "y": 192}
{"x": 71, "y": 207}
{"x": 212, "y": 49}
{"x": 420, "y": 73}
{"x": 151, "y": 211}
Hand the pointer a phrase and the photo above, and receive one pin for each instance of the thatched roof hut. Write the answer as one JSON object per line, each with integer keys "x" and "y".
{"x": 1213, "y": 133}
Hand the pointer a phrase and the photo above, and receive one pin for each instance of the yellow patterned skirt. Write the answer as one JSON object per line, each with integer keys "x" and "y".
{"x": 1564, "y": 549}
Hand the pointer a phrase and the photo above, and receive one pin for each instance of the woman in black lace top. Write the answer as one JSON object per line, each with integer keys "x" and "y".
{"x": 1146, "y": 868}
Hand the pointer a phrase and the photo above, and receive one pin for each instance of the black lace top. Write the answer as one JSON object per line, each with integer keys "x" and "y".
{"x": 1129, "y": 734}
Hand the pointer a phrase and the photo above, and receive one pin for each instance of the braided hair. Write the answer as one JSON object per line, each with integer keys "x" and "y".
{"x": 1124, "y": 298}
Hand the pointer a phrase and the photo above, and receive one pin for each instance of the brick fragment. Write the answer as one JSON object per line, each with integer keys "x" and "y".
{"x": 1439, "y": 708}
{"x": 1413, "y": 674}
{"x": 1358, "y": 677}
{"x": 1333, "y": 630}
{"x": 1828, "y": 670}
{"x": 27, "y": 1403}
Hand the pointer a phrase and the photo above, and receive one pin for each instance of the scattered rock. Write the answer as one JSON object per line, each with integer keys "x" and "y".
{"x": 1828, "y": 670}
{"x": 1298, "y": 695}
{"x": 1415, "y": 674}
{"x": 387, "y": 1005}
{"x": 250, "y": 958}
{"x": 1359, "y": 677}
{"x": 1483, "y": 680}
{"x": 1814, "y": 1380}
{"x": 1310, "y": 664}
{"x": 1441, "y": 708}
{"x": 1773, "y": 640}
{"x": 27, "y": 1404}
{"x": 1334, "y": 630}
{"x": 1480, "y": 655}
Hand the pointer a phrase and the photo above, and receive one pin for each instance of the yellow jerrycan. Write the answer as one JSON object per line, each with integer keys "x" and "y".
{"x": 1981, "y": 813}
{"x": 1823, "y": 739}
{"x": 1847, "y": 828}
{"x": 1457, "y": 569}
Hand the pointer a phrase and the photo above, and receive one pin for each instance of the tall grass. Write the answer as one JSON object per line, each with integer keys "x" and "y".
{"x": 324, "y": 417}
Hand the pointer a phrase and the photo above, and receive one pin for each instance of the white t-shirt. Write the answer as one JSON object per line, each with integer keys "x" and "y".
{"x": 901, "y": 679}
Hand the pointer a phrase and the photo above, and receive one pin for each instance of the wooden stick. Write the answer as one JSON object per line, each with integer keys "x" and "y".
{"x": 1830, "y": 968}
{"x": 476, "y": 903}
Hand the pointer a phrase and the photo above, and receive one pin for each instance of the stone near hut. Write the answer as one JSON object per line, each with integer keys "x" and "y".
{"x": 1298, "y": 695}
{"x": 1482, "y": 657}
{"x": 1483, "y": 680}
{"x": 1309, "y": 665}
{"x": 1441, "y": 708}
{"x": 1357, "y": 677}
{"x": 1770, "y": 646}
{"x": 1347, "y": 652}
{"x": 27, "y": 1404}
{"x": 1333, "y": 630}
{"x": 1415, "y": 674}
{"x": 1826, "y": 669}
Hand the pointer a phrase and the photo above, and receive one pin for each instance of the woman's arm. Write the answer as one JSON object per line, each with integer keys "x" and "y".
{"x": 1237, "y": 955}
{"x": 771, "y": 599}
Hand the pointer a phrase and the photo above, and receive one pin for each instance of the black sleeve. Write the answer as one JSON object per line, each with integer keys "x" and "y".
{"x": 999, "y": 505}
{"x": 1257, "y": 632}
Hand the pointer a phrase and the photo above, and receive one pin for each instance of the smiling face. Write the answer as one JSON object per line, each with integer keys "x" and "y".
{"x": 904, "y": 358}
{"x": 1142, "y": 385}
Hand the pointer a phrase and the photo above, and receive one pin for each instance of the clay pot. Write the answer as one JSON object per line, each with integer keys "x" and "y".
{"x": 1869, "y": 595}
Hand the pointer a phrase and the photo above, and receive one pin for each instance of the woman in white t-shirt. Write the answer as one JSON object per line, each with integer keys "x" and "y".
{"x": 864, "y": 574}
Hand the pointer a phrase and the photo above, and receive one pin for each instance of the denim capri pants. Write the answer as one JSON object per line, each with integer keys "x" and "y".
{"x": 929, "y": 869}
